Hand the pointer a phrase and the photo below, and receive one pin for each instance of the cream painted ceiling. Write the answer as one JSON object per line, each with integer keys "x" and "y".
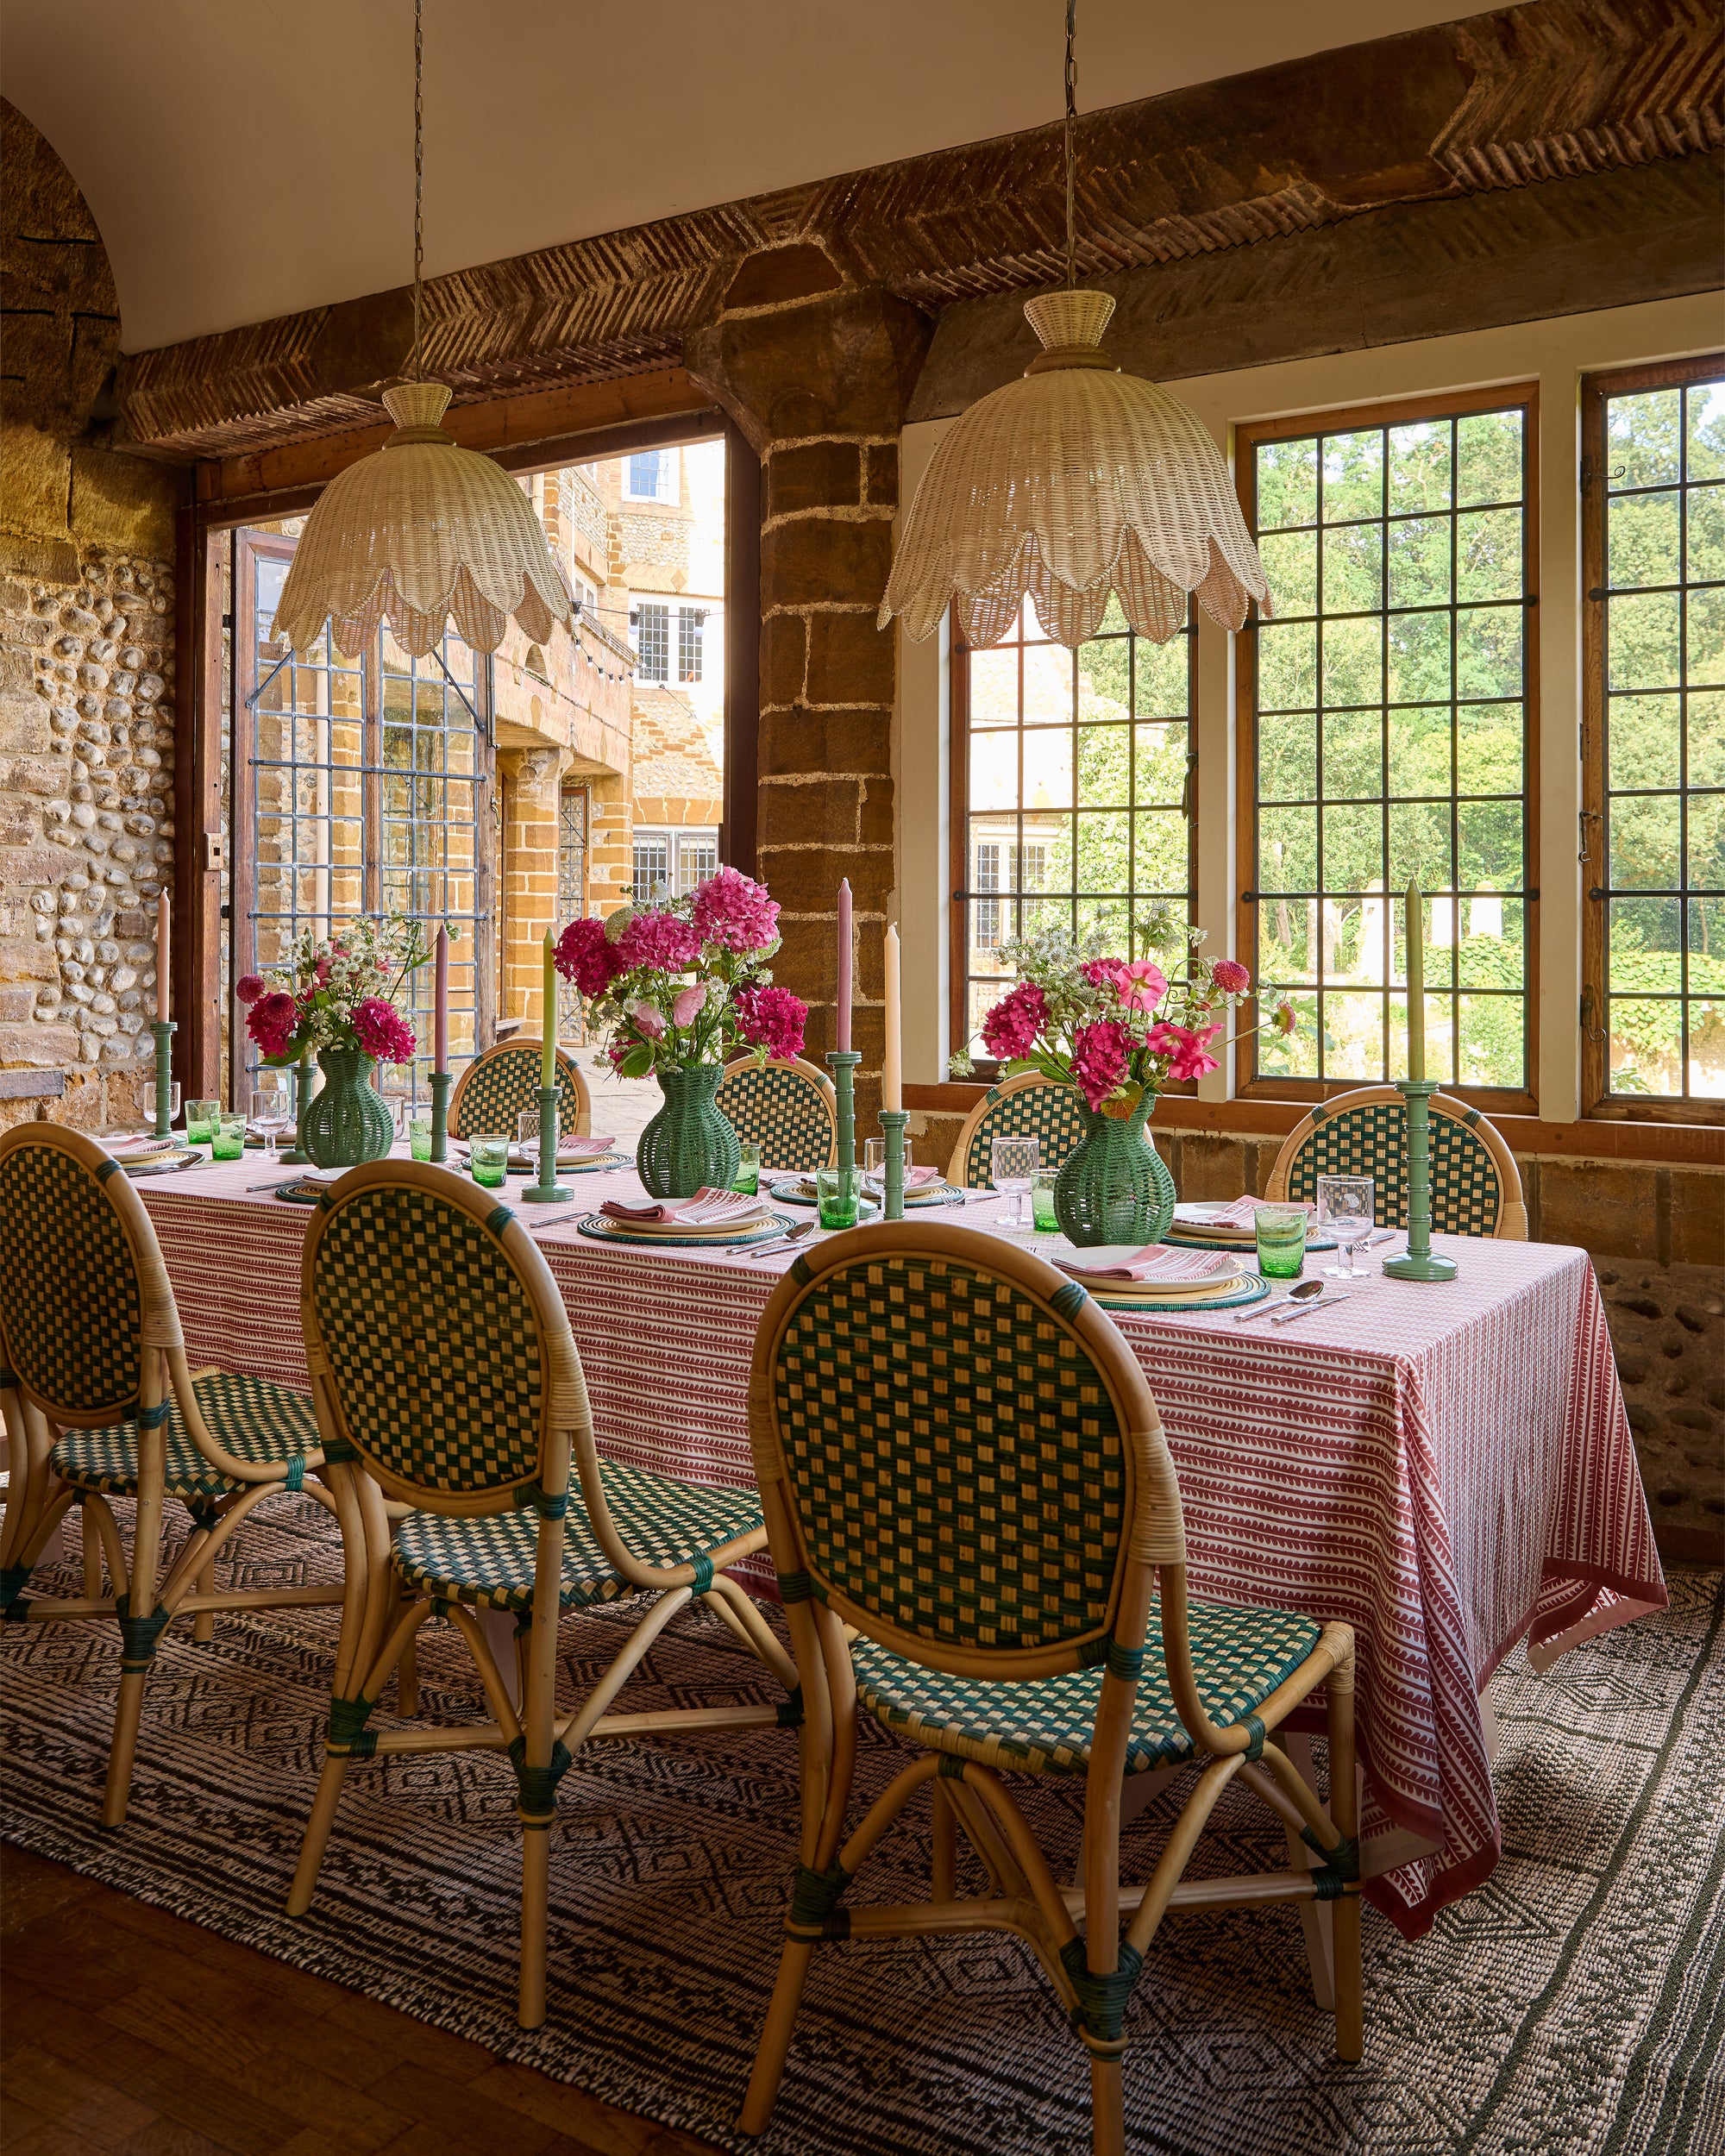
{"x": 250, "y": 158}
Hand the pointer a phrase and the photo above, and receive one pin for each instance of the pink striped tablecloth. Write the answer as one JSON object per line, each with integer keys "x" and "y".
{"x": 1447, "y": 1468}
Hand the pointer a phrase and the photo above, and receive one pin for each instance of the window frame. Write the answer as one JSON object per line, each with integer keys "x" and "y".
{"x": 638, "y": 608}
{"x": 1597, "y": 1101}
{"x": 1341, "y": 419}
{"x": 986, "y": 1069}
{"x": 667, "y": 470}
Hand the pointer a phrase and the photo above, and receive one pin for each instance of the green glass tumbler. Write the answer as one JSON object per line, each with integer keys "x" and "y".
{"x": 488, "y": 1158}
{"x": 1280, "y": 1241}
{"x": 201, "y": 1118}
{"x": 227, "y": 1138}
{"x": 1043, "y": 1219}
{"x": 837, "y": 1192}
{"x": 419, "y": 1137}
{"x": 747, "y": 1176}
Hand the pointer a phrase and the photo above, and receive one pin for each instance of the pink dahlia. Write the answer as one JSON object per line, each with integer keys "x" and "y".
{"x": 1010, "y": 1029}
{"x": 585, "y": 957}
{"x": 250, "y": 986}
{"x": 1184, "y": 1047}
{"x": 1099, "y": 1060}
{"x": 736, "y": 913}
{"x": 382, "y": 1031}
{"x": 273, "y": 1021}
{"x": 657, "y": 937}
{"x": 772, "y": 1019}
{"x": 1231, "y": 977}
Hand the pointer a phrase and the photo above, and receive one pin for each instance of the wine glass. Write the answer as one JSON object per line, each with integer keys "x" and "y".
{"x": 396, "y": 1086}
{"x": 1346, "y": 1210}
{"x": 271, "y": 1113}
{"x": 874, "y": 1168}
{"x": 1012, "y": 1163}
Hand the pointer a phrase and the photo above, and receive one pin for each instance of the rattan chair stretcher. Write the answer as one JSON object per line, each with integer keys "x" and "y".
{"x": 501, "y": 1083}
{"x": 446, "y": 1377}
{"x": 787, "y": 1107}
{"x": 100, "y": 1403}
{"x": 1476, "y": 1185}
{"x": 974, "y": 1519}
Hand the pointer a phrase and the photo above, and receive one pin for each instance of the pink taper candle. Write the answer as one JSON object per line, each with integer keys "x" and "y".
{"x": 842, "y": 1039}
{"x": 440, "y": 1032}
{"x": 161, "y": 960}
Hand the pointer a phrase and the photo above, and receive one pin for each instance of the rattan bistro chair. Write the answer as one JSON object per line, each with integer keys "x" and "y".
{"x": 99, "y": 1403}
{"x": 501, "y": 1084}
{"x": 787, "y": 1107}
{"x": 1476, "y": 1185}
{"x": 1025, "y": 1107}
{"x": 446, "y": 1377}
{"x": 959, "y": 1457}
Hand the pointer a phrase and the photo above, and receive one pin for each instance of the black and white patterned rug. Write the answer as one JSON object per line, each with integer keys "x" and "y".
{"x": 1575, "y": 2003}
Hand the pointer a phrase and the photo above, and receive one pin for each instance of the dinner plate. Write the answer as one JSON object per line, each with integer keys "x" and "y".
{"x": 1187, "y": 1239}
{"x": 167, "y": 1163}
{"x": 798, "y": 1192}
{"x": 1249, "y": 1288}
{"x": 598, "y": 1227}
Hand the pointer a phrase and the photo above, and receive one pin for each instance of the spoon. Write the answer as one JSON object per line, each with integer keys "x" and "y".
{"x": 1286, "y": 1316}
{"x": 1303, "y": 1292}
{"x": 778, "y": 1242}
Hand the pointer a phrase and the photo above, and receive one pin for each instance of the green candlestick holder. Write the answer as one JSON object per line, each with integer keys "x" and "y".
{"x": 164, "y": 1030}
{"x": 297, "y": 1156}
{"x": 440, "y": 1081}
{"x": 547, "y": 1190}
{"x": 842, "y": 1063}
{"x": 1420, "y": 1262}
{"x": 893, "y": 1122}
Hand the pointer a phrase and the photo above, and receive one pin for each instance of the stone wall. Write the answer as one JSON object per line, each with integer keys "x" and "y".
{"x": 86, "y": 663}
{"x": 1657, "y": 1239}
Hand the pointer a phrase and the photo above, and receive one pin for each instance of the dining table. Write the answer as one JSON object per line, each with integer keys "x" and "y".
{"x": 1448, "y": 1467}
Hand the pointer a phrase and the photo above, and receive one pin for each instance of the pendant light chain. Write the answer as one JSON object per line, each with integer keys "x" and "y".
{"x": 419, "y": 171}
{"x": 1071, "y": 149}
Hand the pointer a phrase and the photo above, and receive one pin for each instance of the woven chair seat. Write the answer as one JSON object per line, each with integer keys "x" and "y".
{"x": 488, "y": 1560}
{"x": 1044, "y": 1724}
{"x": 253, "y": 1419}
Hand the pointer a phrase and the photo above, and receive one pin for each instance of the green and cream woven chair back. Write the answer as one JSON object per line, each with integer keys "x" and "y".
{"x": 963, "y": 1438}
{"x": 496, "y": 1086}
{"x": 66, "y": 1246}
{"x": 1476, "y": 1185}
{"x": 438, "y": 1339}
{"x": 787, "y": 1108}
{"x": 1025, "y": 1107}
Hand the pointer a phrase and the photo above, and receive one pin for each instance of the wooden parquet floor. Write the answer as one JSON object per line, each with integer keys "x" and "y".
{"x": 127, "y": 2032}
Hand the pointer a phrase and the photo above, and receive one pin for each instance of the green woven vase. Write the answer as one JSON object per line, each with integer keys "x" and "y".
{"x": 345, "y": 1122}
{"x": 690, "y": 1144}
{"x": 1113, "y": 1186}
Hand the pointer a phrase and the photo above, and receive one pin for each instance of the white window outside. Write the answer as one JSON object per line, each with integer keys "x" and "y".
{"x": 649, "y": 476}
{"x": 652, "y": 623}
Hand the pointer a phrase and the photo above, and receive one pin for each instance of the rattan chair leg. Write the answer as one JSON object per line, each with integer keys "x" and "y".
{"x": 943, "y": 1880}
{"x": 775, "y": 2038}
{"x": 91, "y": 1537}
{"x": 407, "y": 1680}
{"x": 140, "y": 1601}
{"x": 1107, "y": 2108}
{"x": 128, "y": 1711}
{"x": 535, "y": 1887}
{"x": 1345, "y": 1914}
{"x": 325, "y": 1807}
{"x": 204, "y": 1624}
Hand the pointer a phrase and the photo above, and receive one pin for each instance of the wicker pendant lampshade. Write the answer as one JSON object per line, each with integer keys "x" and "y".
{"x": 423, "y": 529}
{"x": 1072, "y": 485}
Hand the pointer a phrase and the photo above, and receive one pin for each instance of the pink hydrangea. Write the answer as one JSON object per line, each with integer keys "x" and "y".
{"x": 1099, "y": 1059}
{"x": 646, "y": 1018}
{"x": 584, "y": 956}
{"x": 1011, "y": 1028}
{"x": 658, "y": 938}
{"x": 772, "y": 1019}
{"x": 1231, "y": 977}
{"x": 734, "y": 912}
{"x": 382, "y": 1031}
{"x": 1185, "y": 1048}
{"x": 273, "y": 1021}
{"x": 250, "y": 986}
{"x": 1105, "y": 973}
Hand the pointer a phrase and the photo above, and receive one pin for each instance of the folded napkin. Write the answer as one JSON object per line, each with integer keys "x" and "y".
{"x": 917, "y": 1178}
{"x": 1155, "y": 1262}
{"x": 571, "y": 1148}
{"x": 1241, "y": 1215}
{"x": 707, "y": 1209}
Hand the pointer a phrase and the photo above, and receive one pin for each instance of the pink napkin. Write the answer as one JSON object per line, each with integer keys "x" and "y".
{"x": 707, "y": 1209}
{"x": 577, "y": 1148}
{"x": 915, "y": 1178}
{"x": 141, "y": 1147}
{"x": 1242, "y": 1214}
{"x": 1156, "y": 1261}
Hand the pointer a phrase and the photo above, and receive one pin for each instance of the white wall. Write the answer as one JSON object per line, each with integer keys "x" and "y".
{"x": 1556, "y": 354}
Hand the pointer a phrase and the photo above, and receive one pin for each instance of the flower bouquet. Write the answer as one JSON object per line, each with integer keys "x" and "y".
{"x": 677, "y": 987}
{"x": 1117, "y": 1030}
{"x": 335, "y": 998}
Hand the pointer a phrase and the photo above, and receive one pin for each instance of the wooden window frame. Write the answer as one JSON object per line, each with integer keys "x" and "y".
{"x": 986, "y": 1069}
{"x": 1597, "y": 389}
{"x": 1390, "y": 411}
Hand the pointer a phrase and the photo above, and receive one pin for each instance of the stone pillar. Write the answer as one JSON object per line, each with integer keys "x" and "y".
{"x": 817, "y": 377}
{"x": 529, "y": 878}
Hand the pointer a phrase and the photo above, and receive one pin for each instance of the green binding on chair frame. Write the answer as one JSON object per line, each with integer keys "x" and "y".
{"x": 959, "y": 1457}
{"x": 502, "y": 1082}
{"x": 446, "y": 1377}
{"x": 787, "y": 1107}
{"x": 99, "y": 1403}
{"x": 1029, "y": 1106}
{"x": 1476, "y": 1185}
